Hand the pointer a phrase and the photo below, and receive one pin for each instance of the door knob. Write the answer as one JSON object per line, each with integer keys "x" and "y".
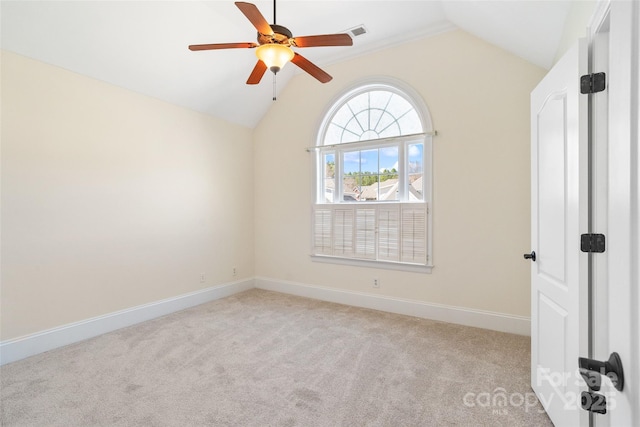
{"x": 531, "y": 256}
{"x": 591, "y": 370}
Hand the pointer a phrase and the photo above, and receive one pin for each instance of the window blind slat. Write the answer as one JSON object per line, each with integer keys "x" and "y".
{"x": 365, "y": 233}
{"x": 389, "y": 233}
{"x": 414, "y": 235}
{"x": 322, "y": 232}
{"x": 343, "y": 232}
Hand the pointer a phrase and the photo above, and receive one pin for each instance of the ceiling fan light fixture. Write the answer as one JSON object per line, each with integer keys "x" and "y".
{"x": 274, "y": 42}
{"x": 274, "y": 55}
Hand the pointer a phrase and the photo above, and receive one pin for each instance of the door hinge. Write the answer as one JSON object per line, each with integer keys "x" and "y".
{"x": 592, "y": 83}
{"x": 592, "y": 243}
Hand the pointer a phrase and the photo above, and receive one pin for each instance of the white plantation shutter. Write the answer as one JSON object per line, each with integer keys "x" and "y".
{"x": 389, "y": 233}
{"x": 322, "y": 232}
{"x": 365, "y": 233}
{"x": 414, "y": 235}
{"x": 343, "y": 232}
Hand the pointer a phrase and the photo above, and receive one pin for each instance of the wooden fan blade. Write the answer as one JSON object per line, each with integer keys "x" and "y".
{"x": 222, "y": 46}
{"x": 253, "y": 14}
{"x": 323, "y": 40}
{"x": 311, "y": 68}
{"x": 257, "y": 73}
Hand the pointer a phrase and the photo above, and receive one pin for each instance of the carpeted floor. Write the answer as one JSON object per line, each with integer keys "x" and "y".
{"x": 267, "y": 359}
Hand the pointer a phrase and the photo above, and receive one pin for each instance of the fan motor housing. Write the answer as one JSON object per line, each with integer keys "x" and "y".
{"x": 281, "y": 35}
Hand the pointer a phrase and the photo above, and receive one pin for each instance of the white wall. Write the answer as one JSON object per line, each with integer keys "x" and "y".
{"x": 111, "y": 199}
{"x": 576, "y": 24}
{"x": 478, "y": 96}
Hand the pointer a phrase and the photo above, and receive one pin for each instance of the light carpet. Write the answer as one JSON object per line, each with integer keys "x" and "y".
{"x": 262, "y": 358}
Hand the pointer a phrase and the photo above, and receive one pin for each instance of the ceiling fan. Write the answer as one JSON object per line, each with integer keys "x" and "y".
{"x": 274, "y": 45}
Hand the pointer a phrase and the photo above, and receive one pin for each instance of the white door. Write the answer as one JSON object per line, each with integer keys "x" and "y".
{"x": 616, "y": 51}
{"x": 559, "y": 207}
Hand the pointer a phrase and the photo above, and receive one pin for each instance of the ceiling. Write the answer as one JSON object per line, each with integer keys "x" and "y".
{"x": 142, "y": 45}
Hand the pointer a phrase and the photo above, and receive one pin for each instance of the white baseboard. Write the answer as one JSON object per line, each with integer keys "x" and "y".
{"x": 30, "y": 345}
{"x": 462, "y": 316}
{"x": 19, "y": 348}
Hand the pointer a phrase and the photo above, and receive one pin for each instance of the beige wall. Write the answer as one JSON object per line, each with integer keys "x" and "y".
{"x": 478, "y": 96}
{"x": 111, "y": 199}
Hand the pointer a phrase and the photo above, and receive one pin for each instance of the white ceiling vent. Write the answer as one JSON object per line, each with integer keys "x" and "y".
{"x": 357, "y": 31}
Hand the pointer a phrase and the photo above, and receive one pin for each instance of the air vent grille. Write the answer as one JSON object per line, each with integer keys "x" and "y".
{"x": 357, "y": 31}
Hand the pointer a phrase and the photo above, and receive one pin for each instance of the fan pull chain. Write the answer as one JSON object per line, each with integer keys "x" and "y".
{"x": 274, "y": 86}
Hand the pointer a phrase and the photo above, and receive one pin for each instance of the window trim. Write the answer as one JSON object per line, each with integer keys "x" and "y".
{"x": 385, "y": 265}
{"x": 403, "y": 90}
{"x": 365, "y": 85}
{"x": 402, "y": 142}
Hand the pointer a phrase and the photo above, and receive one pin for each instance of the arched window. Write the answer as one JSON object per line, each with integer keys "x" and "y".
{"x": 373, "y": 177}
{"x": 374, "y": 114}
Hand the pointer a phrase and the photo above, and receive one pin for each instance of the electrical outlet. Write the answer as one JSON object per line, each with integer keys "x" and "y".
{"x": 235, "y": 271}
{"x": 376, "y": 283}
{"x": 202, "y": 278}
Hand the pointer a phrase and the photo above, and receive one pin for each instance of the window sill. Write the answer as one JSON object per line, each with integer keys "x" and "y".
{"x": 387, "y": 265}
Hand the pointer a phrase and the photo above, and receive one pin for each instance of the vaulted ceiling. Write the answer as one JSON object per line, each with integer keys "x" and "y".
{"x": 142, "y": 45}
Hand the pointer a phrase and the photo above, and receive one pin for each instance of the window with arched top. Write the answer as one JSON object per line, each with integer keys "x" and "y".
{"x": 373, "y": 178}
{"x": 373, "y": 114}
